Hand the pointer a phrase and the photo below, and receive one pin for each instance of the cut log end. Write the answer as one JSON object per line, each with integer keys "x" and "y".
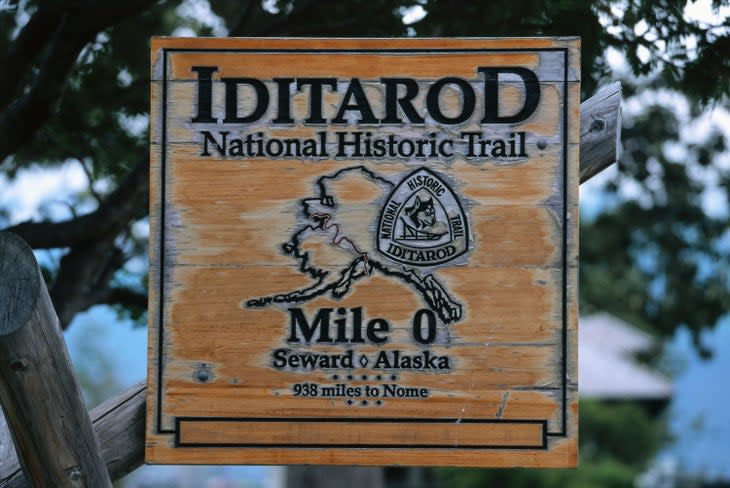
{"x": 600, "y": 131}
{"x": 39, "y": 391}
{"x": 20, "y": 283}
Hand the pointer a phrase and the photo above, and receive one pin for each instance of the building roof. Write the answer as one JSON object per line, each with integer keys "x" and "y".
{"x": 607, "y": 368}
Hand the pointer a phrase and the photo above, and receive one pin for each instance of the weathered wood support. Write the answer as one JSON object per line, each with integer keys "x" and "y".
{"x": 39, "y": 392}
{"x": 119, "y": 422}
{"x": 600, "y": 131}
{"x": 119, "y": 426}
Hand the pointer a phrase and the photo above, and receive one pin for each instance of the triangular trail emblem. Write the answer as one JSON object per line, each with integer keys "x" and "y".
{"x": 422, "y": 223}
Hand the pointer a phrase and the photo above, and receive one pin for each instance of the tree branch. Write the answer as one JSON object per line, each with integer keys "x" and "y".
{"x": 90, "y": 176}
{"x": 83, "y": 271}
{"x": 27, "y": 114}
{"x": 277, "y": 23}
{"x": 278, "y": 26}
{"x": 86, "y": 270}
{"x": 80, "y": 22}
{"x": 125, "y": 297}
{"x": 250, "y": 11}
{"x": 111, "y": 216}
{"x": 23, "y": 51}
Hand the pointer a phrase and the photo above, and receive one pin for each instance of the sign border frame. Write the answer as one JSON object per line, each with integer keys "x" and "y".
{"x": 160, "y": 261}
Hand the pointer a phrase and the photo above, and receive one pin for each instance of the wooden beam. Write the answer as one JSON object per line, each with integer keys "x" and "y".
{"x": 119, "y": 422}
{"x": 39, "y": 392}
{"x": 600, "y": 131}
{"x": 119, "y": 426}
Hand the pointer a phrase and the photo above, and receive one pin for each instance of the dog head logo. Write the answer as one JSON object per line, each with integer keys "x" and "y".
{"x": 422, "y": 222}
{"x": 421, "y": 213}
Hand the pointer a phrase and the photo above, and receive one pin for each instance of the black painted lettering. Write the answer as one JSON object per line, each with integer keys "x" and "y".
{"x": 316, "y": 85}
{"x": 284, "y": 101}
{"x": 430, "y": 319}
{"x": 280, "y": 358}
{"x": 208, "y": 137}
{"x": 205, "y": 94}
{"x": 405, "y": 102}
{"x": 376, "y": 327}
{"x": 299, "y": 323}
{"x": 262, "y": 100}
{"x": 491, "y": 95}
{"x": 468, "y": 100}
{"x": 361, "y": 104}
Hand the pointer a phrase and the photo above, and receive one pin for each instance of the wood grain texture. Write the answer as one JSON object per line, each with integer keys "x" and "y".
{"x": 600, "y": 134}
{"x": 249, "y": 247}
{"x": 119, "y": 422}
{"x": 119, "y": 426}
{"x": 20, "y": 288}
{"x": 39, "y": 391}
{"x": 9, "y": 465}
{"x": 572, "y": 44}
{"x": 325, "y": 433}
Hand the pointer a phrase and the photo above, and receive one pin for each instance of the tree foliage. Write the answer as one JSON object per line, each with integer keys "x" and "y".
{"x": 659, "y": 259}
{"x": 74, "y": 90}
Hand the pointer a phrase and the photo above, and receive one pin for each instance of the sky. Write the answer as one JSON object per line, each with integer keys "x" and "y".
{"x": 698, "y": 413}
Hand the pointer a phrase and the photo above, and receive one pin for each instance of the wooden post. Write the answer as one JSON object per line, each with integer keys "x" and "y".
{"x": 119, "y": 421}
{"x": 600, "y": 131}
{"x": 119, "y": 426}
{"x": 39, "y": 391}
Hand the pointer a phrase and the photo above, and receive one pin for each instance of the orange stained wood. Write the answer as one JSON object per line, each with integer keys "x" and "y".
{"x": 365, "y": 66}
{"x": 330, "y": 291}
{"x": 351, "y": 433}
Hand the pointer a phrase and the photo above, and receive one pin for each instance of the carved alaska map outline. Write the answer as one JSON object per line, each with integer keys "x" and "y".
{"x": 430, "y": 214}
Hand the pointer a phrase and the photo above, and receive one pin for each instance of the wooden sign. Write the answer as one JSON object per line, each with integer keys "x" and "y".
{"x": 364, "y": 251}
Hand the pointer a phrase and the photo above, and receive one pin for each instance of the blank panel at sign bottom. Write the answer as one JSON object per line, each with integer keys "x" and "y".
{"x": 441, "y": 433}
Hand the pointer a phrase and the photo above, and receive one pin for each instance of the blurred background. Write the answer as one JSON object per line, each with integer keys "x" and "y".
{"x": 655, "y": 245}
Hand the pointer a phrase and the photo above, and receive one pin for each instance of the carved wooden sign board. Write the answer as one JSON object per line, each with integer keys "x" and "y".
{"x": 364, "y": 251}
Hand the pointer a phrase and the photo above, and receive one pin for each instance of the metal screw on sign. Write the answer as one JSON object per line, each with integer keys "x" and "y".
{"x": 203, "y": 373}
